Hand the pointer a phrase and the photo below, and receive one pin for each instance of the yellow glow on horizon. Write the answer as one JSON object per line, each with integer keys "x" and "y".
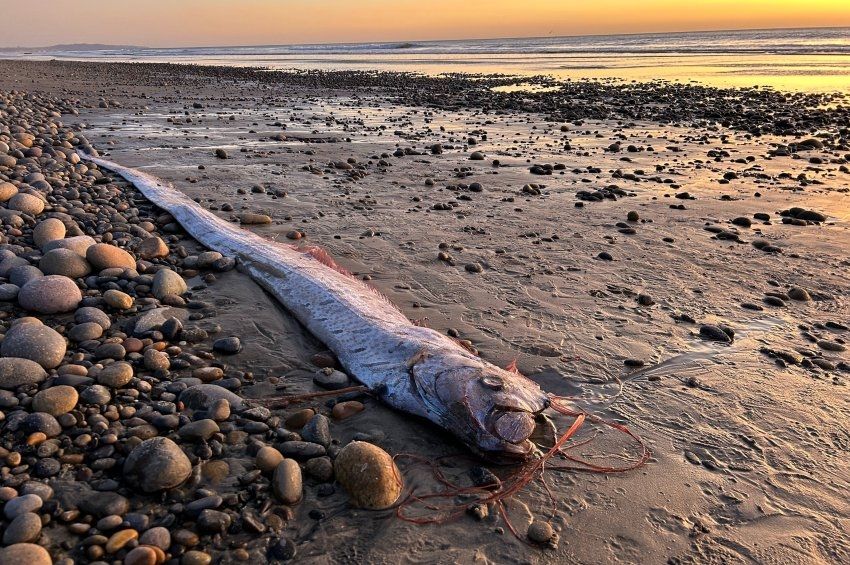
{"x": 259, "y": 22}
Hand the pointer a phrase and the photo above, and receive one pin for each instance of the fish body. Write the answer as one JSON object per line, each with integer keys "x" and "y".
{"x": 413, "y": 369}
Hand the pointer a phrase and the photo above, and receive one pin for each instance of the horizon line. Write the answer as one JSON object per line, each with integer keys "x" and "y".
{"x": 383, "y": 42}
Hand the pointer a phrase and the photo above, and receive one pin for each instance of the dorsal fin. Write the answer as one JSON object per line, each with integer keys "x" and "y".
{"x": 323, "y": 257}
{"x": 512, "y": 368}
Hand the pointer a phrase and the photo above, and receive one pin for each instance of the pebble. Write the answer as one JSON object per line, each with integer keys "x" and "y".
{"x": 199, "y": 430}
{"x": 56, "y": 400}
{"x": 85, "y": 332}
{"x": 286, "y": 482}
{"x": 540, "y": 532}
{"x": 158, "y": 536}
{"x": 64, "y": 262}
{"x": 331, "y": 379}
{"x": 219, "y": 410}
{"x": 714, "y": 333}
{"x": 157, "y": 464}
{"x": 104, "y": 256}
{"x": 48, "y": 230}
{"x": 90, "y": 314}
{"x": 26, "y": 203}
{"x": 141, "y": 555}
{"x": 196, "y": 557}
{"x": 152, "y": 248}
{"x": 51, "y": 294}
{"x": 249, "y": 218}
{"x": 368, "y": 474}
{"x": 26, "y": 554}
{"x": 116, "y": 375}
{"x": 347, "y": 409}
{"x": 24, "y": 528}
{"x": 166, "y": 282}
{"x": 36, "y": 342}
{"x": 21, "y": 505}
{"x": 317, "y": 430}
{"x": 117, "y": 299}
{"x": 267, "y": 459}
{"x": 227, "y": 345}
{"x": 118, "y": 540}
{"x": 15, "y": 372}
{"x": 800, "y": 294}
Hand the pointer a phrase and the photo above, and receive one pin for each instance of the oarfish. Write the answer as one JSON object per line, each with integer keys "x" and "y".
{"x": 411, "y": 368}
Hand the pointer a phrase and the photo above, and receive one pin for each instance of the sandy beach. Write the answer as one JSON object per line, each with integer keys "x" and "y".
{"x": 673, "y": 258}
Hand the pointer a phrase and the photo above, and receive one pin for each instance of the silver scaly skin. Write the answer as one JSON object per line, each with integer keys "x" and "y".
{"x": 411, "y": 368}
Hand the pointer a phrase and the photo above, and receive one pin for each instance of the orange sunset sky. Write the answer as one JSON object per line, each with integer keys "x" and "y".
{"x": 163, "y": 23}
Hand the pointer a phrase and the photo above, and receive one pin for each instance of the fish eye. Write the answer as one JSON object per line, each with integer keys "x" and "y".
{"x": 492, "y": 382}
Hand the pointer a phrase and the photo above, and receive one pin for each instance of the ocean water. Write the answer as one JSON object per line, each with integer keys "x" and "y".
{"x": 788, "y": 59}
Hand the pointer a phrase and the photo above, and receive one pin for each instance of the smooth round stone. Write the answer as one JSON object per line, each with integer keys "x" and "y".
{"x": 109, "y": 523}
{"x": 317, "y": 430}
{"x": 199, "y": 430}
{"x": 91, "y": 314}
{"x": 141, "y": 556}
{"x": 208, "y": 374}
{"x": 26, "y": 554}
{"x": 320, "y": 468}
{"x": 26, "y": 203}
{"x": 96, "y": 394}
{"x": 21, "y": 505}
{"x": 85, "y": 332}
{"x": 15, "y": 372}
{"x": 110, "y": 351}
{"x": 158, "y": 536}
{"x": 24, "y": 528}
{"x": 368, "y": 474}
{"x": 250, "y": 218}
{"x": 195, "y": 557}
{"x": 56, "y": 400}
{"x": 267, "y": 459}
{"x": 9, "y": 292}
{"x": 64, "y": 262}
{"x": 117, "y": 299}
{"x": 104, "y": 256}
{"x": 156, "y": 360}
{"x": 157, "y": 464}
{"x": 219, "y": 410}
{"x": 200, "y": 397}
{"x": 48, "y": 230}
{"x": 152, "y": 248}
{"x": 116, "y": 375}
{"x": 42, "y": 490}
{"x": 347, "y": 409}
{"x": 287, "y": 482}
{"x": 9, "y": 263}
{"x": 23, "y": 274}
{"x": 166, "y": 282}
{"x": 800, "y": 294}
{"x": 36, "y": 342}
{"x": 331, "y": 379}
{"x": 540, "y": 532}
{"x": 227, "y": 345}
{"x": 41, "y": 422}
{"x": 7, "y": 191}
{"x": 79, "y": 244}
{"x": 51, "y": 294}
{"x": 118, "y": 540}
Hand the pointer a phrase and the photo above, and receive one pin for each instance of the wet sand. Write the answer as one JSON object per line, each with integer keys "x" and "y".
{"x": 748, "y": 437}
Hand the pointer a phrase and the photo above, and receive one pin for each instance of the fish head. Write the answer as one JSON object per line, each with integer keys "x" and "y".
{"x": 494, "y": 411}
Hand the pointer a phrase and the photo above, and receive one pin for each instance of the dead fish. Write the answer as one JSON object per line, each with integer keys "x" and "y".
{"x": 414, "y": 369}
